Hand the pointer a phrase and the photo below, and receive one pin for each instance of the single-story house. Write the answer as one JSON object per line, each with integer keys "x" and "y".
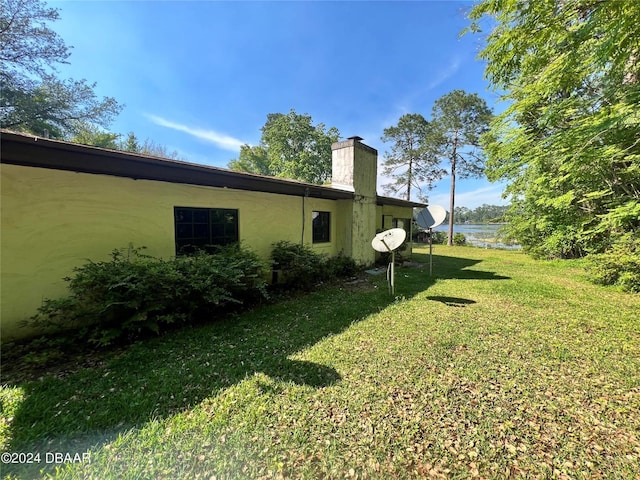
{"x": 63, "y": 203}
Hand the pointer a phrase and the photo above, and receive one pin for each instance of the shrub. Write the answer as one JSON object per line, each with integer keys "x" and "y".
{"x": 136, "y": 293}
{"x": 563, "y": 242}
{"x": 302, "y": 268}
{"x": 459, "y": 239}
{"x": 439, "y": 237}
{"x": 341, "y": 266}
{"x": 619, "y": 265}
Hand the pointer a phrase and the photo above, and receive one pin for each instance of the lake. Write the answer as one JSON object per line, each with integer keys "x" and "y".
{"x": 479, "y": 235}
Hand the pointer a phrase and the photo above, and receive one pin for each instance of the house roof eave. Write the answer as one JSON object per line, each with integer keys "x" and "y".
{"x": 398, "y": 202}
{"x": 29, "y": 150}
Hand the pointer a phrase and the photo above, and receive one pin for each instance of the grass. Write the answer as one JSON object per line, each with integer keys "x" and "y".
{"x": 497, "y": 366}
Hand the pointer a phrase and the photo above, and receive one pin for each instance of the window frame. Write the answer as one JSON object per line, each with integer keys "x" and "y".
{"x": 205, "y": 227}
{"x": 321, "y": 232}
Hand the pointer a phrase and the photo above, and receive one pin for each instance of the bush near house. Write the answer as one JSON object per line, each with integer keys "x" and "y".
{"x": 302, "y": 268}
{"x": 135, "y": 293}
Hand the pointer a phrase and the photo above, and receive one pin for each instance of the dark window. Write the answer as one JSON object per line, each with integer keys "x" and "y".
{"x": 321, "y": 227}
{"x": 201, "y": 228}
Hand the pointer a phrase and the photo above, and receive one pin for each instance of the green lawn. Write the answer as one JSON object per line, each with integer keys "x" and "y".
{"x": 498, "y": 366}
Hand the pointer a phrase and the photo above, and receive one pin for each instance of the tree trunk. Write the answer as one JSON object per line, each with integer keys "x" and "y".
{"x": 409, "y": 180}
{"x": 452, "y": 197}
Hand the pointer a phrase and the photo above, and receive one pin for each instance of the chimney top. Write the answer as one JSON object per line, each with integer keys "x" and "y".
{"x": 356, "y": 138}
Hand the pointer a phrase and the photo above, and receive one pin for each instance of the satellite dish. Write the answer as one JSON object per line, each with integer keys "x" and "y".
{"x": 431, "y": 217}
{"x": 388, "y": 240}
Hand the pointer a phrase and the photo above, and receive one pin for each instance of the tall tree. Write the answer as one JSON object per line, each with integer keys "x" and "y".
{"x": 131, "y": 144}
{"x": 568, "y": 142}
{"x": 409, "y": 161}
{"x": 458, "y": 121}
{"x": 252, "y": 160}
{"x": 290, "y": 147}
{"x": 147, "y": 147}
{"x": 31, "y": 97}
{"x": 28, "y": 47}
{"x": 88, "y": 134}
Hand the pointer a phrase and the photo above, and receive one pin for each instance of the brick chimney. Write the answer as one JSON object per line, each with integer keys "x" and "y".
{"x": 354, "y": 167}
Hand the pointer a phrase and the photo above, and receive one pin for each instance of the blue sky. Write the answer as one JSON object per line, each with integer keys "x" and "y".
{"x": 200, "y": 77}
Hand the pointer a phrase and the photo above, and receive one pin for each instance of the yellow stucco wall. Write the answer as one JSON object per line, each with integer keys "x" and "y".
{"x": 54, "y": 220}
{"x": 393, "y": 211}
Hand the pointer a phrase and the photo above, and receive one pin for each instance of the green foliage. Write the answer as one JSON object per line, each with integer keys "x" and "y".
{"x": 482, "y": 214}
{"x": 135, "y": 293}
{"x": 340, "y": 266}
{"x": 146, "y": 147}
{"x": 439, "y": 237}
{"x": 619, "y": 265}
{"x": 11, "y": 399}
{"x": 562, "y": 242}
{"x": 303, "y": 268}
{"x": 31, "y": 97}
{"x": 88, "y": 134}
{"x": 451, "y": 138}
{"x": 290, "y": 147}
{"x": 54, "y": 107}
{"x": 300, "y": 265}
{"x": 459, "y": 239}
{"x": 253, "y": 159}
{"x": 410, "y": 155}
{"x": 567, "y": 142}
{"x": 28, "y": 47}
{"x": 459, "y": 119}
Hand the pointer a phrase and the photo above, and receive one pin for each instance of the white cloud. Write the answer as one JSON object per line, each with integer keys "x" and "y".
{"x": 445, "y": 73}
{"x": 406, "y": 104}
{"x": 222, "y": 140}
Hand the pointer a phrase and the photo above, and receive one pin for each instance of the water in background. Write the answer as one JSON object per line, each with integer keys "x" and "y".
{"x": 479, "y": 235}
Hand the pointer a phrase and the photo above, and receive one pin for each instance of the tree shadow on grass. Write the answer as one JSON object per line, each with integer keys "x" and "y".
{"x": 446, "y": 267}
{"x": 164, "y": 376}
{"x": 452, "y": 301}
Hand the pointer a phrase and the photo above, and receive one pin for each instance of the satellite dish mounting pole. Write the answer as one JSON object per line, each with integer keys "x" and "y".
{"x": 391, "y": 272}
{"x": 429, "y": 218}
{"x": 430, "y": 251}
{"x": 387, "y": 242}
{"x": 390, "y": 269}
